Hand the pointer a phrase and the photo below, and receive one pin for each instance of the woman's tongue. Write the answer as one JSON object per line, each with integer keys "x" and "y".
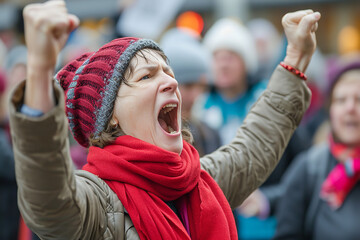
{"x": 163, "y": 125}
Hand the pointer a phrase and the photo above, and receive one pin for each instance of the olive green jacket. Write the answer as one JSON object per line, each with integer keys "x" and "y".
{"x": 58, "y": 202}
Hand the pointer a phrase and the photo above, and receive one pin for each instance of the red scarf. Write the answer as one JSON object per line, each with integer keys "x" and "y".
{"x": 344, "y": 176}
{"x": 143, "y": 176}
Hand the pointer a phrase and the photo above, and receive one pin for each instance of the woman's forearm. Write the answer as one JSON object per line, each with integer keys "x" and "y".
{"x": 39, "y": 92}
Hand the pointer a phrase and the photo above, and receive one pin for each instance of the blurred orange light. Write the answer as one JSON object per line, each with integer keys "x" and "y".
{"x": 348, "y": 40}
{"x": 190, "y": 20}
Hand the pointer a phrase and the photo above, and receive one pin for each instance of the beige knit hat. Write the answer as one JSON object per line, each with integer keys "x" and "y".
{"x": 231, "y": 35}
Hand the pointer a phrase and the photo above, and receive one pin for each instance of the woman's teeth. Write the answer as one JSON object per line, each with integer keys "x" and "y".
{"x": 171, "y": 130}
{"x": 168, "y": 107}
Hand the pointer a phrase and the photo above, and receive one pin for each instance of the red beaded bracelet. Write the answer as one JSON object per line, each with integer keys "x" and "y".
{"x": 294, "y": 71}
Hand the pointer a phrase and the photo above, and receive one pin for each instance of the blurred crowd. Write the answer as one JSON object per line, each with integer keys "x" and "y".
{"x": 221, "y": 71}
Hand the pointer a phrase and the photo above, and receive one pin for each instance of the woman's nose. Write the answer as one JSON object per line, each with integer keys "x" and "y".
{"x": 168, "y": 84}
{"x": 351, "y": 104}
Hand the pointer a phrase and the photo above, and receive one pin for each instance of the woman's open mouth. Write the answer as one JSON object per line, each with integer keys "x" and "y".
{"x": 168, "y": 118}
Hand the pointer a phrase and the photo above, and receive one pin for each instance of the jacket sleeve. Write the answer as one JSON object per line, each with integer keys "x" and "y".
{"x": 243, "y": 165}
{"x": 54, "y": 203}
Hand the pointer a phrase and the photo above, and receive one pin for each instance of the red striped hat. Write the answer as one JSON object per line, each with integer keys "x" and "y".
{"x": 91, "y": 83}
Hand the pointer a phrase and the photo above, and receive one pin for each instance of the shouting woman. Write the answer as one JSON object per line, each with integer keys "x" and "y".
{"x": 143, "y": 179}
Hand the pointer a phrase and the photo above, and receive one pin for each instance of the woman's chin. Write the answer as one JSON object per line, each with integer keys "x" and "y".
{"x": 173, "y": 144}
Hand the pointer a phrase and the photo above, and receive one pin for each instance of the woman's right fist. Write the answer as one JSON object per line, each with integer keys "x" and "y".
{"x": 47, "y": 28}
{"x": 300, "y": 28}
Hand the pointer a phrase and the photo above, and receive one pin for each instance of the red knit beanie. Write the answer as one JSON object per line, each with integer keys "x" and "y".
{"x": 91, "y": 84}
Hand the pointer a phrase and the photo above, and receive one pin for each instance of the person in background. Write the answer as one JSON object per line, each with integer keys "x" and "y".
{"x": 15, "y": 70}
{"x": 143, "y": 180}
{"x": 268, "y": 44}
{"x": 190, "y": 62}
{"x": 3, "y": 52}
{"x": 9, "y": 212}
{"x": 15, "y": 65}
{"x": 322, "y": 189}
{"x": 317, "y": 112}
{"x": 3, "y": 103}
{"x": 234, "y": 62}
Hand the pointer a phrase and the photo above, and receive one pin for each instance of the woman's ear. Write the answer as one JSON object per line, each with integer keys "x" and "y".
{"x": 114, "y": 122}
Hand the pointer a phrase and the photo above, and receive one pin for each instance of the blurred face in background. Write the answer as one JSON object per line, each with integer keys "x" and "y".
{"x": 230, "y": 72}
{"x": 345, "y": 109}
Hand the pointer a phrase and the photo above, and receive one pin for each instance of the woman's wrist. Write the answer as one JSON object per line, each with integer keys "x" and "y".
{"x": 38, "y": 64}
{"x": 297, "y": 63}
{"x": 294, "y": 71}
{"x": 297, "y": 60}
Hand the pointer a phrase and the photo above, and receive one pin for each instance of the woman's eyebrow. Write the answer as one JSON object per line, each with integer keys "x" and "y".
{"x": 154, "y": 67}
{"x": 167, "y": 68}
{"x": 151, "y": 67}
